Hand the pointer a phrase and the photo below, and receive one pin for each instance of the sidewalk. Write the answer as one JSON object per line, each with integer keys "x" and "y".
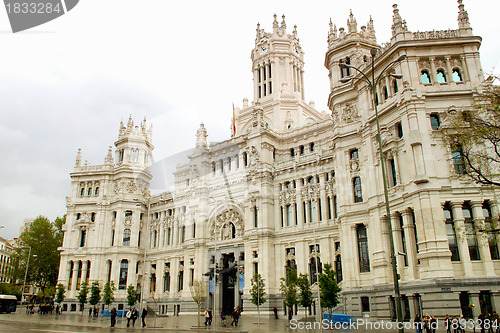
{"x": 182, "y": 323}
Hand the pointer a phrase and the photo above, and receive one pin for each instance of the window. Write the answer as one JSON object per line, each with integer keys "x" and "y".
{"x": 181, "y": 279}
{"x": 289, "y": 218}
{"x": 221, "y": 165}
{"x": 456, "y": 76}
{"x": 385, "y": 92}
{"x": 441, "y": 77}
{"x": 155, "y": 237}
{"x": 89, "y": 191}
{"x": 490, "y": 231}
{"x": 139, "y": 239}
{"x": 435, "y": 121}
{"x": 393, "y": 181}
{"x": 399, "y": 130}
{"x": 365, "y": 304}
{"x": 122, "y": 282}
{"x": 113, "y": 237}
{"x": 315, "y": 266}
{"x": 83, "y": 235}
{"x": 395, "y": 86}
{"x": 92, "y": 217}
{"x": 292, "y": 152}
{"x": 335, "y": 211}
{"x": 166, "y": 278}
{"x": 128, "y": 213}
{"x": 245, "y": 159}
{"x": 451, "y": 232}
{"x": 183, "y": 234}
{"x": 169, "y": 235}
{"x": 194, "y": 229}
{"x": 120, "y": 155}
{"x": 364, "y": 260}
{"x": 96, "y": 191}
{"x": 229, "y": 163}
{"x": 354, "y": 154}
{"x": 255, "y": 217}
{"x": 338, "y": 268}
{"x": 458, "y": 159}
{"x": 358, "y": 195}
{"x": 213, "y": 168}
{"x": 425, "y": 77}
{"x": 403, "y": 240}
{"x": 470, "y": 230}
{"x": 311, "y": 146}
{"x": 126, "y": 237}
{"x": 301, "y": 148}
{"x": 346, "y": 71}
{"x": 82, "y": 192}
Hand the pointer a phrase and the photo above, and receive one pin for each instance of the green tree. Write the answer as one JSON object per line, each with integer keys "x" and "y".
{"x": 288, "y": 288}
{"x": 10, "y": 289}
{"x": 44, "y": 238}
{"x": 82, "y": 295}
{"x": 473, "y": 135}
{"x": 305, "y": 293}
{"x": 258, "y": 291}
{"x": 131, "y": 295}
{"x": 108, "y": 294}
{"x": 95, "y": 293}
{"x": 329, "y": 289}
{"x": 60, "y": 291}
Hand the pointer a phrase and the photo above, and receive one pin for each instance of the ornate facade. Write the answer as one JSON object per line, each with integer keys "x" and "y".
{"x": 297, "y": 187}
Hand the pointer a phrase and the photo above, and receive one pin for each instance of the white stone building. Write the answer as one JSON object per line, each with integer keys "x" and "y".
{"x": 295, "y": 184}
{"x": 6, "y": 250}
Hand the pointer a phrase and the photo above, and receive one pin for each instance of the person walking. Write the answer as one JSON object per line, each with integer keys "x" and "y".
{"x": 223, "y": 319}
{"x": 129, "y": 317}
{"x": 143, "y": 316}
{"x": 135, "y": 315}
{"x": 90, "y": 312}
{"x": 113, "y": 317}
{"x": 207, "y": 317}
{"x": 275, "y": 310}
{"x": 236, "y": 317}
{"x": 417, "y": 322}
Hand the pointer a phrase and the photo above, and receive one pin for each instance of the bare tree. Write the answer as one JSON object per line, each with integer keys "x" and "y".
{"x": 199, "y": 291}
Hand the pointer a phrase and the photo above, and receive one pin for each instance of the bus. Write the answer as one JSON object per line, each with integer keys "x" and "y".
{"x": 8, "y": 303}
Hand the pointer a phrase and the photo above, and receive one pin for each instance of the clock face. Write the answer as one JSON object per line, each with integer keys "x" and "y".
{"x": 263, "y": 49}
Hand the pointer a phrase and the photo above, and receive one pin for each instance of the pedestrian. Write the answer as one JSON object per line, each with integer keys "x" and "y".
{"x": 143, "y": 316}
{"x": 496, "y": 321}
{"x": 275, "y": 310}
{"x": 433, "y": 323}
{"x": 207, "y": 317}
{"x": 417, "y": 322}
{"x": 96, "y": 312}
{"x": 90, "y": 312}
{"x": 135, "y": 315}
{"x": 236, "y": 316}
{"x": 426, "y": 323}
{"x": 113, "y": 317}
{"x": 223, "y": 319}
{"x": 210, "y": 316}
{"x": 129, "y": 317}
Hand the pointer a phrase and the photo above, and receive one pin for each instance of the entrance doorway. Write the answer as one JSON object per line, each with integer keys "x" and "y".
{"x": 228, "y": 278}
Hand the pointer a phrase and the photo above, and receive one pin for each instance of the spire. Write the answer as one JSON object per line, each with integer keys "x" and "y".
{"x": 283, "y": 25}
{"x": 332, "y": 33}
{"x": 130, "y": 124}
{"x": 398, "y": 24}
{"x": 463, "y": 16}
{"x": 275, "y": 24}
{"x": 351, "y": 24}
{"x": 78, "y": 162}
{"x": 258, "y": 33}
{"x": 109, "y": 158}
{"x": 371, "y": 28}
{"x": 143, "y": 125}
{"x": 294, "y": 32}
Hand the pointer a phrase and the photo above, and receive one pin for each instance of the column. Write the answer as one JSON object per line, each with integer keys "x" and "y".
{"x": 68, "y": 274}
{"x": 433, "y": 70}
{"x": 84, "y": 271}
{"x": 463, "y": 247}
{"x": 398, "y": 240}
{"x": 324, "y": 198}
{"x": 411, "y": 246}
{"x": 482, "y": 238}
{"x": 300, "y": 205}
{"x": 465, "y": 70}
{"x": 74, "y": 283}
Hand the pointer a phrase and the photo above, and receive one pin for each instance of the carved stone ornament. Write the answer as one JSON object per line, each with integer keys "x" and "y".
{"x": 330, "y": 187}
{"x": 131, "y": 186}
{"x": 201, "y": 137}
{"x": 290, "y": 256}
{"x": 287, "y": 196}
{"x": 127, "y": 221}
{"x": 310, "y": 191}
{"x": 223, "y": 224}
{"x": 350, "y": 112}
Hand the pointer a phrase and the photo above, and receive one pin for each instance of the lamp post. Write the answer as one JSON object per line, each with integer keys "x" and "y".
{"x": 26, "y": 271}
{"x": 143, "y": 303}
{"x": 373, "y": 85}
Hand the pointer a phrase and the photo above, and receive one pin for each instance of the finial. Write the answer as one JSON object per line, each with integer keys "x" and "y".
{"x": 109, "y": 158}
{"x": 294, "y": 32}
{"x": 370, "y": 28}
{"x": 463, "y": 16}
{"x": 275, "y": 24}
{"x": 397, "y": 21}
{"x": 351, "y": 24}
{"x": 78, "y": 161}
{"x": 283, "y": 25}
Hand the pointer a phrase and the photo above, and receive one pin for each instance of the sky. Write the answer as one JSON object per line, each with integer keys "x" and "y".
{"x": 67, "y": 84}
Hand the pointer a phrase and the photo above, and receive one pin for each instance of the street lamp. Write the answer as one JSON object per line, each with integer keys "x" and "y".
{"x": 26, "y": 271}
{"x": 373, "y": 85}
{"x": 146, "y": 237}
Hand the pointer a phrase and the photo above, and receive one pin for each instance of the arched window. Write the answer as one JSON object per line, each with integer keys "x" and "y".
{"x": 82, "y": 192}
{"x": 301, "y": 148}
{"x": 354, "y": 154}
{"x": 364, "y": 259}
{"x": 92, "y": 217}
{"x": 292, "y": 152}
{"x": 311, "y": 146}
{"x": 357, "y": 191}
{"x": 395, "y": 86}
{"x": 386, "y": 93}
{"x": 441, "y": 77}
{"x": 126, "y": 237}
{"x": 96, "y": 191}
{"x": 233, "y": 230}
{"x": 78, "y": 216}
{"x": 425, "y": 77}
{"x": 83, "y": 235}
{"x": 122, "y": 282}
{"x": 89, "y": 191}
{"x": 456, "y": 76}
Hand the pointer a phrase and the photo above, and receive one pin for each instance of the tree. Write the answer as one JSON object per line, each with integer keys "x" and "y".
{"x": 44, "y": 238}
{"x": 95, "y": 293}
{"x": 60, "y": 291}
{"x": 288, "y": 288}
{"x": 305, "y": 293}
{"x": 199, "y": 291}
{"x": 131, "y": 295}
{"x": 82, "y": 295}
{"x": 329, "y": 289}
{"x": 10, "y": 289}
{"x": 108, "y": 294}
{"x": 258, "y": 292}
{"x": 474, "y": 136}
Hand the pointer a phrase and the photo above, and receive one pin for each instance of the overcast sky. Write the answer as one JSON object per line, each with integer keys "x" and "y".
{"x": 67, "y": 84}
